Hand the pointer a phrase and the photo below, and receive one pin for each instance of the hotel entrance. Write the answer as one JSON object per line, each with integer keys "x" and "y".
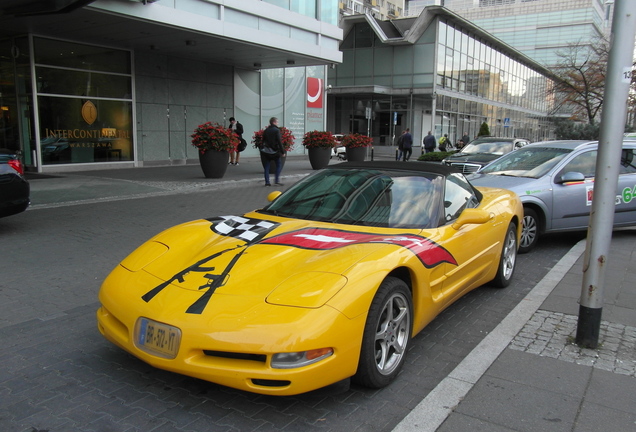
{"x": 76, "y": 109}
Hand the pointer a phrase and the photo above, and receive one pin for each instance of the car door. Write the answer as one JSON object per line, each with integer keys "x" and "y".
{"x": 472, "y": 245}
{"x": 572, "y": 200}
{"x": 626, "y": 195}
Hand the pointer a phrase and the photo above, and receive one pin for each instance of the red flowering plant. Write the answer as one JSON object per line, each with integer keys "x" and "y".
{"x": 287, "y": 137}
{"x": 356, "y": 140}
{"x": 213, "y": 136}
{"x": 317, "y": 139}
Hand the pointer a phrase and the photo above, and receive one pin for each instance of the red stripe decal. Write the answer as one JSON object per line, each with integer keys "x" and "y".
{"x": 430, "y": 253}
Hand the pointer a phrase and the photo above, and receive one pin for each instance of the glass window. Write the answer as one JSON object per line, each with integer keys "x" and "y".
{"x": 76, "y": 130}
{"x": 77, "y": 83}
{"x": 305, "y": 7}
{"x": 78, "y": 56}
{"x": 628, "y": 165}
{"x": 527, "y": 162}
{"x": 364, "y": 36}
{"x": 585, "y": 163}
{"x": 442, "y": 30}
{"x": 364, "y": 197}
{"x": 329, "y": 12}
{"x": 458, "y": 195}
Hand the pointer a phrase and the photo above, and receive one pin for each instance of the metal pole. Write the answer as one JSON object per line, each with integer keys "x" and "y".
{"x": 619, "y": 70}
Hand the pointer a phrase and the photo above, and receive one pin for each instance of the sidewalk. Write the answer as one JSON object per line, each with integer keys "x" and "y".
{"x": 526, "y": 375}
{"x": 68, "y": 188}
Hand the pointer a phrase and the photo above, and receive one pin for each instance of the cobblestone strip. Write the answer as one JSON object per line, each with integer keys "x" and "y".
{"x": 553, "y": 334}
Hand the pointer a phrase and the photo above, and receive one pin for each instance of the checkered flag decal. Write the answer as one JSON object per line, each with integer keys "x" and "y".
{"x": 246, "y": 229}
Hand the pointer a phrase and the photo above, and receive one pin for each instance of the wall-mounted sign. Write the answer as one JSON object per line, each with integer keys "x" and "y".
{"x": 314, "y": 92}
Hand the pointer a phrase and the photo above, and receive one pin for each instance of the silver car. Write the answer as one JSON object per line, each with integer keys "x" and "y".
{"x": 555, "y": 182}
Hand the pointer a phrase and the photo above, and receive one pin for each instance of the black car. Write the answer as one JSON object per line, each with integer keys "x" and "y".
{"x": 482, "y": 151}
{"x": 14, "y": 187}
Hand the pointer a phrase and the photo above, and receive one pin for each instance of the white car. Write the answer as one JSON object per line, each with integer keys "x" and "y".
{"x": 339, "y": 151}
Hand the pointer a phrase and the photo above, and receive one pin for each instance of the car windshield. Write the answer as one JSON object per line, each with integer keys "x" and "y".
{"x": 528, "y": 161}
{"x": 364, "y": 197}
{"x": 497, "y": 148}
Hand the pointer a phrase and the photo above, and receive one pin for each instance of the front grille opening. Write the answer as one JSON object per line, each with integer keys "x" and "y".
{"x": 270, "y": 383}
{"x": 466, "y": 168}
{"x": 261, "y": 358}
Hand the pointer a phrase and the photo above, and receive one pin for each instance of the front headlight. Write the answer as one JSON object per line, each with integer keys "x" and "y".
{"x": 299, "y": 359}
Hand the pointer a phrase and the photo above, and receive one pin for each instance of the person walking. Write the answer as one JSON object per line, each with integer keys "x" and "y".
{"x": 465, "y": 138}
{"x": 400, "y": 146}
{"x": 407, "y": 144}
{"x": 443, "y": 142}
{"x": 272, "y": 151}
{"x": 237, "y": 128}
{"x": 429, "y": 142}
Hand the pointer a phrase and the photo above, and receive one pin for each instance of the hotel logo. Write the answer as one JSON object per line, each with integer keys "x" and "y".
{"x": 89, "y": 112}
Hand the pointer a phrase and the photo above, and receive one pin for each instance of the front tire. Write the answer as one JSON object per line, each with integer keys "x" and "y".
{"x": 508, "y": 259}
{"x": 529, "y": 231}
{"x": 387, "y": 333}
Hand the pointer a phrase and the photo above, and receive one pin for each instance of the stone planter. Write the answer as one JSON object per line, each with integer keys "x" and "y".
{"x": 356, "y": 154}
{"x": 214, "y": 163}
{"x": 319, "y": 157}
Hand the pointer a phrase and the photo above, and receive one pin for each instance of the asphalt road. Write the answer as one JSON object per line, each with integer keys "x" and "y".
{"x": 59, "y": 374}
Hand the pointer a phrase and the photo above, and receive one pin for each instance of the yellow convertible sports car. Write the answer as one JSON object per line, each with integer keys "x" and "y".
{"x": 329, "y": 281}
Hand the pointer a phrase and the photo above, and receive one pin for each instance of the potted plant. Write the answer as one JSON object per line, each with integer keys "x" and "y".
{"x": 319, "y": 146}
{"x": 287, "y": 137}
{"x": 214, "y": 143}
{"x": 356, "y": 146}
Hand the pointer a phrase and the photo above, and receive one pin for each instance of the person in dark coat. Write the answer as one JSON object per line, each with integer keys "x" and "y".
{"x": 465, "y": 138}
{"x": 429, "y": 142}
{"x": 237, "y": 128}
{"x": 272, "y": 150}
{"x": 407, "y": 144}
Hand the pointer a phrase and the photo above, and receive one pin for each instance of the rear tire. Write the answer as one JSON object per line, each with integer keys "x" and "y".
{"x": 508, "y": 259}
{"x": 529, "y": 231}
{"x": 387, "y": 334}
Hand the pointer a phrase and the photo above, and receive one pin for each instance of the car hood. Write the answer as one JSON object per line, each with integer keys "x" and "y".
{"x": 516, "y": 184}
{"x": 481, "y": 158}
{"x": 285, "y": 261}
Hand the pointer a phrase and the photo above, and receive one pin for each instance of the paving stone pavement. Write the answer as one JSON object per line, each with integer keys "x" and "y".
{"x": 553, "y": 334}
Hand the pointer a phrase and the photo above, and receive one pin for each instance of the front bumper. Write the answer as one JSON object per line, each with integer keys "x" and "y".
{"x": 241, "y": 359}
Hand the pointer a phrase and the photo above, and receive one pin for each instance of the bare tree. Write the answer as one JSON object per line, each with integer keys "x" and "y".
{"x": 580, "y": 80}
{"x": 631, "y": 101}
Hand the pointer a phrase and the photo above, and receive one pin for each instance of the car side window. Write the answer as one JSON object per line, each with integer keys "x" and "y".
{"x": 458, "y": 195}
{"x": 628, "y": 164}
{"x": 584, "y": 163}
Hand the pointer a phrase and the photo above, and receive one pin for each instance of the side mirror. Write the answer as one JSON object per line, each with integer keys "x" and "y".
{"x": 273, "y": 195}
{"x": 570, "y": 176}
{"x": 472, "y": 216}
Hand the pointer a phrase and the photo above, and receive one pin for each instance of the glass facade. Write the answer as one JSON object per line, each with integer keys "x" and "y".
{"x": 538, "y": 28}
{"x": 83, "y": 97}
{"x": 481, "y": 73}
{"x": 16, "y": 103}
{"x": 449, "y": 81}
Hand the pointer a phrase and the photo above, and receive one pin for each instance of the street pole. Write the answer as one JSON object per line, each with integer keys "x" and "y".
{"x": 619, "y": 70}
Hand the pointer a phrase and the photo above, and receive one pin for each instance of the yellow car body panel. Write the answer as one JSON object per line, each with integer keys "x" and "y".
{"x": 235, "y": 304}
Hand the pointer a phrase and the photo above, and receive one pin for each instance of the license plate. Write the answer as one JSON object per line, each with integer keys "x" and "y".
{"x": 157, "y": 338}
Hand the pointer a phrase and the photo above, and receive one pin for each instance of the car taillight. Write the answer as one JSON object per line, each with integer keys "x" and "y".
{"x": 16, "y": 165}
